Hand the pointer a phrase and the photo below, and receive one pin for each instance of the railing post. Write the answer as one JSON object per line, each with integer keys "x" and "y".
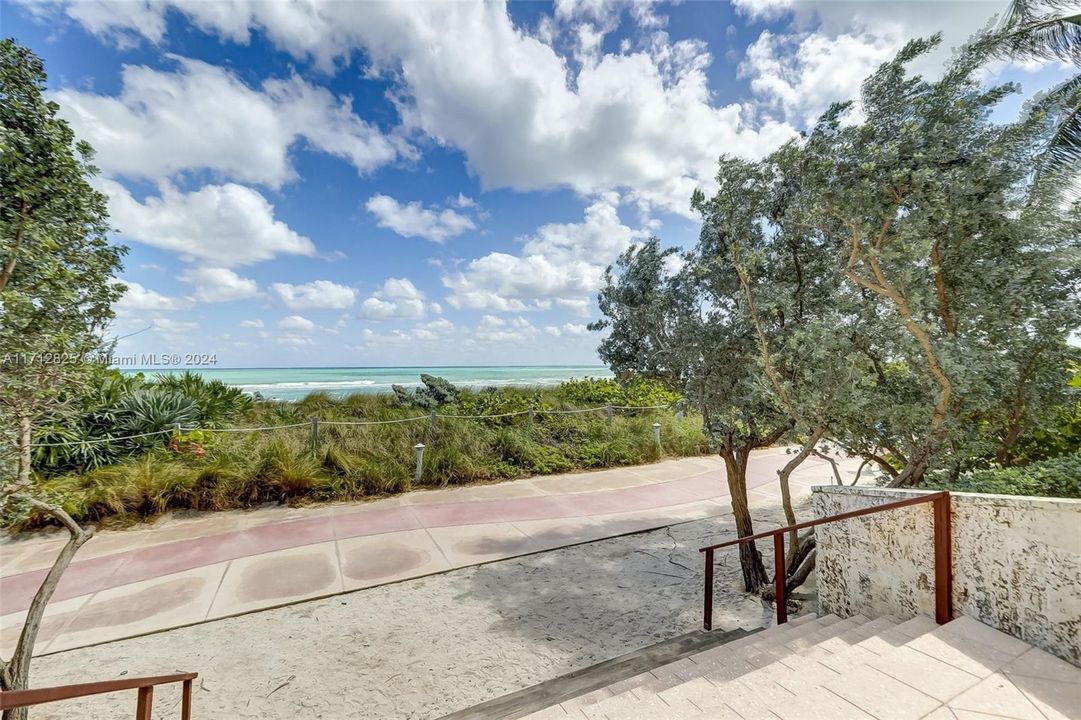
{"x": 419, "y": 448}
{"x": 432, "y": 427}
{"x": 529, "y": 419}
{"x": 707, "y": 610}
{"x": 778, "y": 578}
{"x": 185, "y": 701}
{"x": 145, "y": 704}
{"x": 315, "y": 432}
{"x": 943, "y": 560}
{"x": 608, "y": 412}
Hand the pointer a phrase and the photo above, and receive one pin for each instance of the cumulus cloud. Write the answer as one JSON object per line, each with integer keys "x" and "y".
{"x": 138, "y": 298}
{"x": 802, "y": 74}
{"x": 251, "y": 323}
{"x": 567, "y": 330}
{"x": 396, "y": 299}
{"x": 227, "y": 225}
{"x": 318, "y": 294}
{"x": 763, "y": 9}
{"x": 414, "y": 220}
{"x": 561, "y": 262}
{"x": 525, "y": 115}
{"x": 216, "y": 284}
{"x": 201, "y": 116}
{"x": 295, "y": 331}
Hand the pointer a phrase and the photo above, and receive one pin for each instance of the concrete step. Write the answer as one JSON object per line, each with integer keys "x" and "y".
{"x": 858, "y": 669}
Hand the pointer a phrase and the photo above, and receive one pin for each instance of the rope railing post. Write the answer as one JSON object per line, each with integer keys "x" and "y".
{"x": 529, "y": 419}
{"x": 779, "y": 578}
{"x": 315, "y": 433}
{"x": 419, "y": 448}
{"x": 608, "y": 412}
{"x": 679, "y": 410}
{"x": 431, "y": 427}
{"x": 943, "y": 560}
{"x": 707, "y": 609}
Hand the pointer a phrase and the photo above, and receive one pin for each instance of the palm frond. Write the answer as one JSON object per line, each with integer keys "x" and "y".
{"x": 1045, "y": 30}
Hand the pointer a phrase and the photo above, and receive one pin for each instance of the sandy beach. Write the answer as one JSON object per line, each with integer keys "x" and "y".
{"x": 426, "y": 647}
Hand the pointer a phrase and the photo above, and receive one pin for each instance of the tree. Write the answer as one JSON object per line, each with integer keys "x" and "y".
{"x": 691, "y": 330}
{"x": 57, "y": 284}
{"x": 969, "y": 266}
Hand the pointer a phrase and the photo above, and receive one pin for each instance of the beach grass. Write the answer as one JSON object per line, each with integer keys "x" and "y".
{"x": 232, "y": 470}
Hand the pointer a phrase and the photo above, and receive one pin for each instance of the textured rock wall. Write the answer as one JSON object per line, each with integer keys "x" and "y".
{"x": 1016, "y": 562}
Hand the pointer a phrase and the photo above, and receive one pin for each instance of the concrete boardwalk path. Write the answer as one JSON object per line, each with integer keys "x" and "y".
{"x": 185, "y": 571}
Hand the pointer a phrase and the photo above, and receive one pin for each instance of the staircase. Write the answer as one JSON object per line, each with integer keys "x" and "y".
{"x": 826, "y": 668}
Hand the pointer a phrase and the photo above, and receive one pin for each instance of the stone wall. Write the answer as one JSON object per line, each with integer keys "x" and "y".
{"x": 1016, "y": 562}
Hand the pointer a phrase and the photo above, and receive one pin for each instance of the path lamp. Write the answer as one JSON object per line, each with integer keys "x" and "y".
{"x": 657, "y": 432}
{"x": 419, "y": 448}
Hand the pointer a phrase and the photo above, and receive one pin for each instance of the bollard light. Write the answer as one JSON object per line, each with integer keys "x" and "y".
{"x": 657, "y": 432}
{"x": 419, "y": 447}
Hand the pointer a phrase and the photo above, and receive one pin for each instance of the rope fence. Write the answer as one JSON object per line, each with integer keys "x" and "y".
{"x": 315, "y": 422}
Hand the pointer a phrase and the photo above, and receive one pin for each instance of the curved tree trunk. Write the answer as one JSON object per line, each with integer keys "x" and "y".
{"x": 750, "y": 560}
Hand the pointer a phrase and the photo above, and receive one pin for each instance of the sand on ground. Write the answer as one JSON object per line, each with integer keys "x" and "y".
{"x": 426, "y": 647}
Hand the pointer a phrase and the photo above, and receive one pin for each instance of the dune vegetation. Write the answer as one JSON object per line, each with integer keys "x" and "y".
{"x": 83, "y": 464}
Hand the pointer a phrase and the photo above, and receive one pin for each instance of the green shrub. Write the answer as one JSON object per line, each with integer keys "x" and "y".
{"x": 1056, "y": 477}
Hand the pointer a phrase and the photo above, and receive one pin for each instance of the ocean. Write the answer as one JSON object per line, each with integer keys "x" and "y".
{"x": 295, "y": 383}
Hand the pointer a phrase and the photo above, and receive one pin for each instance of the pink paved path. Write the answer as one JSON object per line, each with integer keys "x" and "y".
{"x": 696, "y": 484}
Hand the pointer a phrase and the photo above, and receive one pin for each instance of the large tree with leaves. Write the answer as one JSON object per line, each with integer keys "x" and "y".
{"x": 57, "y": 284}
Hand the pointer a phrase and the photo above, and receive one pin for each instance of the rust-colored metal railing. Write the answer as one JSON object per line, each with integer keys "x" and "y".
{"x": 10, "y": 699}
{"x": 943, "y": 555}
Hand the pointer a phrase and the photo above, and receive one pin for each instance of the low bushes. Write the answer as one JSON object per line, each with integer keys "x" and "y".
{"x": 1056, "y": 477}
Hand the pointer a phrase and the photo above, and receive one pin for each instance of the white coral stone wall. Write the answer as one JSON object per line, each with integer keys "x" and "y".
{"x": 1017, "y": 562}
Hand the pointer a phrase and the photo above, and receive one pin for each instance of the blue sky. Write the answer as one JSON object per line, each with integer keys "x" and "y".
{"x": 377, "y": 183}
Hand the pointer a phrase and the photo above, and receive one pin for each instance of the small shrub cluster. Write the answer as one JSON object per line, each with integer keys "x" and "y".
{"x": 1055, "y": 477}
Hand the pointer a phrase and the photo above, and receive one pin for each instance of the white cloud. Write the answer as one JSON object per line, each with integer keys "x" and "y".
{"x": 396, "y": 299}
{"x": 526, "y": 115}
{"x": 215, "y": 284}
{"x": 174, "y": 331}
{"x": 763, "y": 9}
{"x": 225, "y": 224}
{"x": 560, "y": 262}
{"x": 251, "y": 323}
{"x": 567, "y": 330}
{"x": 414, "y": 220}
{"x": 201, "y": 116}
{"x": 138, "y": 298}
{"x": 318, "y": 294}
{"x": 496, "y": 330}
{"x": 803, "y": 74}
{"x": 296, "y": 326}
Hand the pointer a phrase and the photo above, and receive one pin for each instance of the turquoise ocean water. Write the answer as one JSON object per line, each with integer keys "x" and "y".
{"x": 295, "y": 383}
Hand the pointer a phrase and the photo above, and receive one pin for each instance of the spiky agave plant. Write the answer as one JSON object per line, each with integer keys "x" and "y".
{"x": 155, "y": 410}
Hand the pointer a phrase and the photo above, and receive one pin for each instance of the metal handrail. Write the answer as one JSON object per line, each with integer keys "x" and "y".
{"x": 943, "y": 555}
{"x": 10, "y": 699}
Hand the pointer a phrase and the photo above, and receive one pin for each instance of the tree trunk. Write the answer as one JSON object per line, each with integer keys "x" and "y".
{"x": 23, "y": 479}
{"x": 786, "y": 494}
{"x": 754, "y": 572}
{"x": 15, "y": 673}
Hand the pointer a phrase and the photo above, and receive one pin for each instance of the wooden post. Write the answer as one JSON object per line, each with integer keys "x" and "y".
{"x": 943, "y": 560}
{"x": 608, "y": 412}
{"x": 529, "y": 418}
{"x": 707, "y": 610}
{"x": 419, "y": 448}
{"x": 185, "y": 700}
{"x": 432, "y": 424}
{"x": 778, "y": 579}
{"x": 145, "y": 704}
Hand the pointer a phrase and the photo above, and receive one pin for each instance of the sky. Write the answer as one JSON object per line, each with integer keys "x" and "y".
{"x": 403, "y": 183}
